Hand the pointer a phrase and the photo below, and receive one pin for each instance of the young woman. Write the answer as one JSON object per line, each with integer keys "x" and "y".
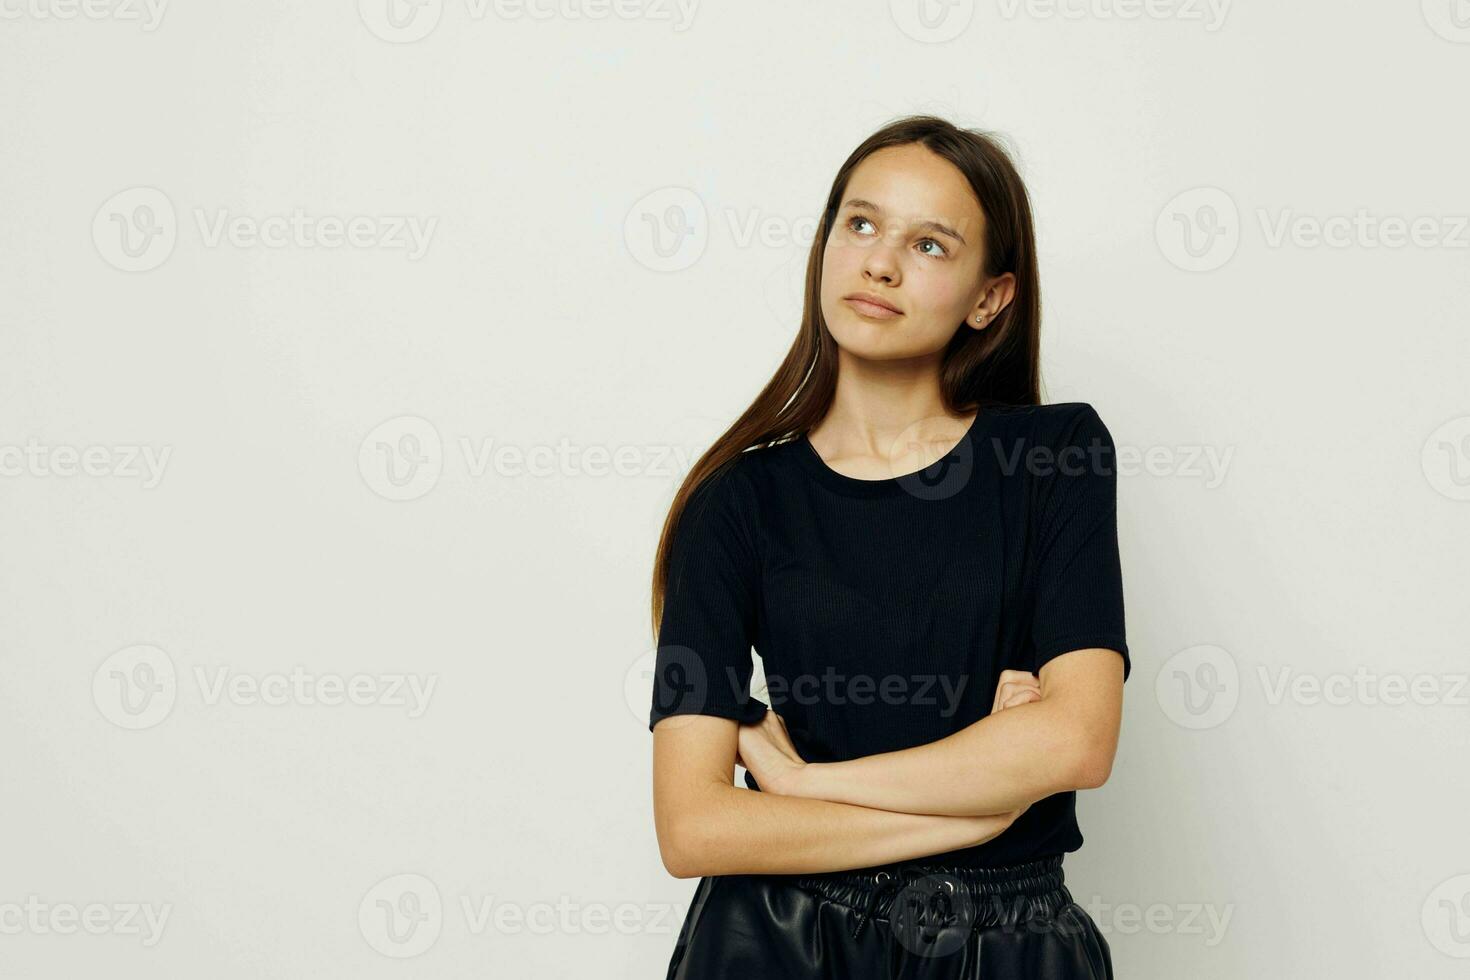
{"x": 926, "y": 559}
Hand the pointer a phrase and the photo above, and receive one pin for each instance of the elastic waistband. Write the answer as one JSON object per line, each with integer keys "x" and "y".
{"x": 1006, "y": 895}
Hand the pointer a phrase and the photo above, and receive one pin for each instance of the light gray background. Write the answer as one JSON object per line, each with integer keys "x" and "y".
{"x": 1246, "y": 831}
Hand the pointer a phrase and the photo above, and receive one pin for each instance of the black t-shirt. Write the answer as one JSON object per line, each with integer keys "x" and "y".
{"x": 885, "y": 610}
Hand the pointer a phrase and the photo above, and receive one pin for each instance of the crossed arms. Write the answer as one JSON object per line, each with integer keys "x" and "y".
{"x": 956, "y": 792}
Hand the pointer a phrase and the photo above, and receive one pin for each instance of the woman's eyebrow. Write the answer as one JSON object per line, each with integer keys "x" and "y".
{"x": 930, "y": 225}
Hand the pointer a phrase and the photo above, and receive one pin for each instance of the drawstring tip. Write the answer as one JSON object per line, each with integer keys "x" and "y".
{"x": 882, "y": 882}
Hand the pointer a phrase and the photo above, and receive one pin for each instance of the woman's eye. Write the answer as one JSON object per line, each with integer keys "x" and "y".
{"x": 942, "y": 252}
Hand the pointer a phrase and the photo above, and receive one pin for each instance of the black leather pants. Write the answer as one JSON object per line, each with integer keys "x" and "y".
{"x": 913, "y": 920}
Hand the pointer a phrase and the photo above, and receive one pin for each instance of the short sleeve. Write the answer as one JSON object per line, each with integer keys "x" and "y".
{"x": 703, "y": 664}
{"x": 1078, "y": 580}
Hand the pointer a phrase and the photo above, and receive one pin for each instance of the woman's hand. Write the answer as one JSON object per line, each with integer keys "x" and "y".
{"x": 1015, "y": 687}
{"x": 767, "y": 752}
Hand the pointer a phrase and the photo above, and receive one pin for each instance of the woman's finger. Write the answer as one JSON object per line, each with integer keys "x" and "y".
{"x": 782, "y": 737}
{"x": 1024, "y": 696}
{"x": 1007, "y": 691}
{"x": 1014, "y": 695}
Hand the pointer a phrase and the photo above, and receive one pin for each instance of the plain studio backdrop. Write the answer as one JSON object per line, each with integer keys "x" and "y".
{"x": 350, "y": 355}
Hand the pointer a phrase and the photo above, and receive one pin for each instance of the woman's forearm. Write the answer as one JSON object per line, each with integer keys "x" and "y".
{"x": 740, "y": 831}
{"x": 1003, "y": 761}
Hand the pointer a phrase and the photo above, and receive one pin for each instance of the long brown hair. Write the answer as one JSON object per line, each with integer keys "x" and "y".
{"x": 992, "y": 367}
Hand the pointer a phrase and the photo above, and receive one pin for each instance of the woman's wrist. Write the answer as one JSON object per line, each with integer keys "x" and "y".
{"x": 801, "y": 780}
{"x": 787, "y": 782}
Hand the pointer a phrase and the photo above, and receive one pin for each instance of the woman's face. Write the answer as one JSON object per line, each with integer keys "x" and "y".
{"x": 909, "y": 230}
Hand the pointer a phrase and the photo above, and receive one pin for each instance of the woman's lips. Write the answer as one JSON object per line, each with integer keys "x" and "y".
{"x": 873, "y": 310}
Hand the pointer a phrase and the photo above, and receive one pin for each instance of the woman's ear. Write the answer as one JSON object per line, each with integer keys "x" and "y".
{"x": 998, "y": 295}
